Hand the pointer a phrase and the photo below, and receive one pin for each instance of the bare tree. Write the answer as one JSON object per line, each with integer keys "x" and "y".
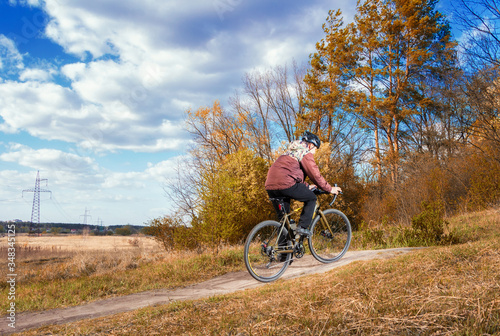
{"x": 436, "y": 128}
{"x": 482, "y": 121}
{"x": 181, "y": 190}
{"x": 480, "y": 21}
{"x": 269, "y": 107}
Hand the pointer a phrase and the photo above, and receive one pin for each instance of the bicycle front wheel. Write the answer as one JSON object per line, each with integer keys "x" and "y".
{"x": 331, "y": 236}
{"x": 267, "y": 255}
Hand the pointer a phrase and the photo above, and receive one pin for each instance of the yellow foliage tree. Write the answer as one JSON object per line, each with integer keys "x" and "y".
{"x": 216, "y": 133}
{"x": 232, "y": 199}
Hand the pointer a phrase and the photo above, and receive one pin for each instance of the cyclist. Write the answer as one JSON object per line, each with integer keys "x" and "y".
{"x": 286, "y": 179}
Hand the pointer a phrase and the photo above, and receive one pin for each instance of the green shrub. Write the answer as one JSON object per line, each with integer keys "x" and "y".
{"x": 428, "y": 227}
{"x": 170, "y": 232}
{"x": 124, "y": 231}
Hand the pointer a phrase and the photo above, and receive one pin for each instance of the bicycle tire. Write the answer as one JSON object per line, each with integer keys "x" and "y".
{"x": 330, "y": 243}
{"x": 262, "y": 252}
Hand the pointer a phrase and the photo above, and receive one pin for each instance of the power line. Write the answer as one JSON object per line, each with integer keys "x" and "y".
{"x": 10, "y": 200}
{"x": 61, "y": 209}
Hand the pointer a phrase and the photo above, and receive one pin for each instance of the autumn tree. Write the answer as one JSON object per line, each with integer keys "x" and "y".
{"x": 215, "y": 132}
{"x": 366, "y": 45}
{"x": 437, "y": 128}
{"x": 389, "y": 75}
{"x": 414, "y": 42}
{"x": 327, "y": 80}
{"x": 207, "y": 179}
{"x": 395, "y": 44}
{"x": 326, "y": 100}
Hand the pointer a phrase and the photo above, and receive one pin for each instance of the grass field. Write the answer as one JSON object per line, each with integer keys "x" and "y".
{"x": 445, "y": 290}
{"x": 77, "y": 243}
{"x": 61, "y": 271}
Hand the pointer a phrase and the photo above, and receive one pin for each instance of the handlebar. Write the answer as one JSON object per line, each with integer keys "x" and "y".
{"x": 318, "y": 191}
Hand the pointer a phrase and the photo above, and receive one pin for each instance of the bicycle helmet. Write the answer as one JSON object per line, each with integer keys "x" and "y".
{"x": 312, "y": 138}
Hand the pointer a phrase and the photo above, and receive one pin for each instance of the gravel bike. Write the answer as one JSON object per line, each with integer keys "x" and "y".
{"x": 271, "y": 245}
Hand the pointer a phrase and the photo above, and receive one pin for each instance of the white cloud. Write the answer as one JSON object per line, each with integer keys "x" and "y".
{"x": 40, "y": 108}
{"x": 39, "y": 75}
{"x": 53, "y": 112}
{"x": 48, "y": 159}
{"x": 25, "y": 2}
{"x": 128, "y": 180}
{"x": 76, "y": 169}
{"x": 163, "y": 170}
{"x": 166, "y": 57}
{"x": 10, "y": 58}
{"x": 78, "y": 181}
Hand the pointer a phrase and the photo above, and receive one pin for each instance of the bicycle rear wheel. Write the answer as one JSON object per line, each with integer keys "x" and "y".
{"x": 331, "y": 236}
{"x": 264, "y": 256}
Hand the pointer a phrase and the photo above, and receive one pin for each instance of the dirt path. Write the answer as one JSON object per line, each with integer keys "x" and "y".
{"x": 227, "y": 283}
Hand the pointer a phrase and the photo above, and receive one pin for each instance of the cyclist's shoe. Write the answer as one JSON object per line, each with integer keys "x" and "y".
{"x": 303, "y": 231}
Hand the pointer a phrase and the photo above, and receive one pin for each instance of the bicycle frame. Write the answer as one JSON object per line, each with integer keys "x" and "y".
{"x": 285, "y": 223}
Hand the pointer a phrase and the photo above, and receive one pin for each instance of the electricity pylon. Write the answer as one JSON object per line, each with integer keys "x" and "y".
{"x": 35, "y": 210}
{"x": 85, "y": 216}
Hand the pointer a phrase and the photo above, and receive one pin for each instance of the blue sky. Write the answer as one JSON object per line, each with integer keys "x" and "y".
{"x": 93, "y": 93}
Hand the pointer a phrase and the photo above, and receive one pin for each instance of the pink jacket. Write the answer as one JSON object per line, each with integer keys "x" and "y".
{"x": 286, "y": 171}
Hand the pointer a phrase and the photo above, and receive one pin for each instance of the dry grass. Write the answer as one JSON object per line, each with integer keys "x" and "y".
{"x": 50, "y": 258}
{"x": 66, "y": 275}
{"x": 81, "y": 243}
{"x": 448, "y": 290}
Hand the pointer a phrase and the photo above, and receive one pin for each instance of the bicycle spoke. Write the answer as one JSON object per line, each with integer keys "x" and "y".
{"x": 262, "y": 256}
{"x": 331, "y": 236}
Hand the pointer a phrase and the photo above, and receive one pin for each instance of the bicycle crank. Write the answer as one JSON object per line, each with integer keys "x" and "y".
{"x": 299, "y": 250}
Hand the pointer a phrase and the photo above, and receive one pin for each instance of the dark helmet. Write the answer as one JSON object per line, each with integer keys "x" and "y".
{"x": 312, "y": 138}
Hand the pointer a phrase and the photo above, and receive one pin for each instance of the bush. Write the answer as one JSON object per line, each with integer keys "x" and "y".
{"x": 369, "y": 237}
{"x": 124, "y": 231}
{"x": 170, "y": 232}
{"x": 428, "y": 227}
{"x": 467, "y": 180}
{"x": 339, "y": 169}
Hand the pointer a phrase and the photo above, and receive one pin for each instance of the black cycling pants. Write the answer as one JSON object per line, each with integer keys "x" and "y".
{"x": 301, "y": 193}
